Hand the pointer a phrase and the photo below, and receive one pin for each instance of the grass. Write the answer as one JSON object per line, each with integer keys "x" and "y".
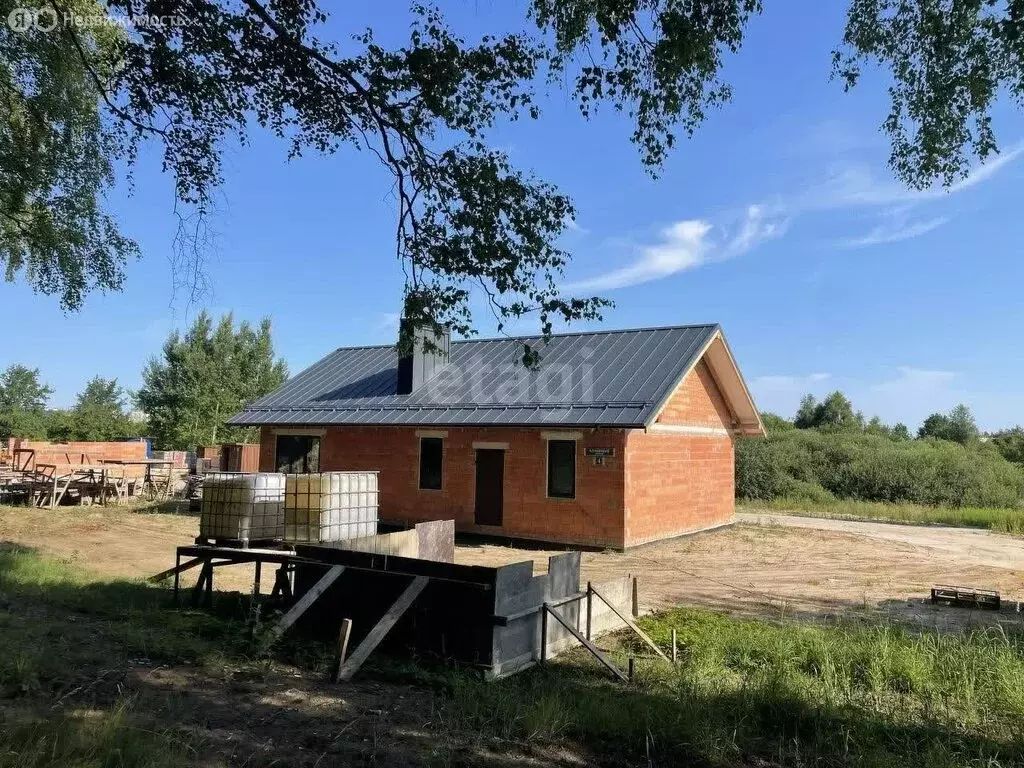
{"x": 793, "y": 695}
{"x": 1000, "y": 520}
{"x": 746, "y": 693}
{"x": 68, "y": 637}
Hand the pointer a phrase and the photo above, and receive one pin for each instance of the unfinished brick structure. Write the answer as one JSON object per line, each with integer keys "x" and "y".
{"x": 628, "y": 440}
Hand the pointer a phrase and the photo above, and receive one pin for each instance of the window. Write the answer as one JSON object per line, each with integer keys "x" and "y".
{"x": 562, "y": 469}
{"x": 298, "y": 454}
{"x": 431, "y": 454}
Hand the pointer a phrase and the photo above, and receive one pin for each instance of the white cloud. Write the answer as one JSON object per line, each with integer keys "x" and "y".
{"x": 857, "y": 186}
{"x": 915, "y": 380}
{"x": 688, "y": 244}
{"x": 894, "y": 231}
{"x": 692, "y": 243}
{"x": 388, "y": 321}
{"x": 788, "y": 383}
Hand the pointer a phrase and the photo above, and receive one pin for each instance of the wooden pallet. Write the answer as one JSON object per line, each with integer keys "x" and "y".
{"x": 967, "y": 597}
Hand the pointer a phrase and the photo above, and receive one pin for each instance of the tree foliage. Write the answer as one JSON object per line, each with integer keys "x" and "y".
{"x": 957, "y": 426}
{"x": 21, "y": 389}
{"x": 821, "y": 465}
{"x": 99, "y": 413}
{"x": 23, "y": 398}
{"x": 949, "y": 61}
{"x": 1010, "y": 443}
{"x": 834, "y": 412}
{"x": 56, "y": 159}
{"x": 467, "y": 220}
{"x": 204, "y": 377}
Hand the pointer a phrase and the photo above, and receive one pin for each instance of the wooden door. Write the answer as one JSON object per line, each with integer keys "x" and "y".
{"x": 490, "y": 486}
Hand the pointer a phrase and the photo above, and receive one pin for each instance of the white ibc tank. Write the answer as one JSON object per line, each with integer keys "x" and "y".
{"x": 330, "y": 506}
{"x": 242, "y": 507}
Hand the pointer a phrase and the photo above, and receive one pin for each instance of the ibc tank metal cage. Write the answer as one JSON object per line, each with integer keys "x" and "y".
{"x": 330, "y": 506}
{"x": 242, "y": 507}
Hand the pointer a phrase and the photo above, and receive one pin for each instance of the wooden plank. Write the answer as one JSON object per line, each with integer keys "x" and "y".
{"x": 343, "y": 636}
{"x": 631, "y": 624}
{"x": 586, "y": 644}
{"x": 372, "y": 640}
{"x": 175, "y": 570}
{"x": 303, "y": 604}
{"x": 204, "y": 575}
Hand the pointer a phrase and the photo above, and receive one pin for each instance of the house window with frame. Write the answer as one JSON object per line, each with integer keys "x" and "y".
{"x": 297, "y": 454}
{"x": 431, "y": 461}
{"x": 562, "y": 469}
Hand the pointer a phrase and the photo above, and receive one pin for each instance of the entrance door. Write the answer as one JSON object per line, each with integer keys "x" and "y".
{"x": 490, "y": 486}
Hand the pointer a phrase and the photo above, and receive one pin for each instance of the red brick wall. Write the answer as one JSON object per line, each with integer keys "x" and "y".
{"x": 681, "y": 481}
{"x": 594, "y": 518}
{"x": 82, "y": 452}
{"x": 65, "y": 455}
{"x": 697, "y": 402}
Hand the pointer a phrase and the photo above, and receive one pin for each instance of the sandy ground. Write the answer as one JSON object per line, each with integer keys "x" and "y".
{"x": 765, "y": 565}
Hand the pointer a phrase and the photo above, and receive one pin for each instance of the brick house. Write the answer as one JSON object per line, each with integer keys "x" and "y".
{"x": 620, "y": 437}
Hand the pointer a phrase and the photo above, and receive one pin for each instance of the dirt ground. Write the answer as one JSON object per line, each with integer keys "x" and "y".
{"x": 766, "y": 565}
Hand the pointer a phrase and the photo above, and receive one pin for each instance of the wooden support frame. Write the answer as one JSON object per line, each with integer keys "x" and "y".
{"x": 629, "y": 622}
{"x": 586, "y": 643}
{"x": 179, "y": 568}
{"x": 380, "y": 630}
{"x": 343, "y": 635}
{"x": 303, "y": 604}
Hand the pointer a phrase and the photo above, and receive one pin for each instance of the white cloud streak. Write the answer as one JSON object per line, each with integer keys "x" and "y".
{"x": 691, "y": 243}
{"x": 686, "y": 245}
{"x": 894, "y": 232}
{"x": 858, "y": 187}
{"x": 788, "y": 383}
{"x": 911, "y": 380}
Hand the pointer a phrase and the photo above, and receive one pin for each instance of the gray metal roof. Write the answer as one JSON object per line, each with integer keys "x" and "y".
{"x": 609, "y": 378}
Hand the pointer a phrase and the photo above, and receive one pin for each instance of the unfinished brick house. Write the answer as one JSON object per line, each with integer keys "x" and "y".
{"x": 620, "y": 437}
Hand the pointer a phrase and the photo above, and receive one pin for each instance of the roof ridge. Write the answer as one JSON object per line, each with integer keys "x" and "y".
{"x": 567, "y": 334}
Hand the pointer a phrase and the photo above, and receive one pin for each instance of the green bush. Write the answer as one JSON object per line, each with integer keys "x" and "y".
{"x": 820, "y": 465}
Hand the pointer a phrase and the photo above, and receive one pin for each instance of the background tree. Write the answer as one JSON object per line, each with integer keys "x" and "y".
{"x": 900, "y": 431}
{"x": 1010, "y": 444}
{"x": 466, "y": 218}
{"x": 99, "y": 412}
{"x": 775, "y": 423}
{"x": 205, "y": 377}
{"x": 806, "y": 413}
{"x": 957, "y": 426}
{"x": 23, "y": 398}
{"x": 57, "y": 148}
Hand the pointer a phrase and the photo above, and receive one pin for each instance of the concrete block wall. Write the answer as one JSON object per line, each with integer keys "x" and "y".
{"x": 593, "y": 518}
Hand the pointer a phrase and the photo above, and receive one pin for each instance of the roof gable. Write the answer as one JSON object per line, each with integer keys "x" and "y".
{"x": 611, "y": 378}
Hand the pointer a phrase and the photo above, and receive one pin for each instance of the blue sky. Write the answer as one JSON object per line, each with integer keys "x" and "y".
{"x": 779, "y": 220}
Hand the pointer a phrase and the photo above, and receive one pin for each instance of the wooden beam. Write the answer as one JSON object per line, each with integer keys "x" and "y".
{"x": 175, "y": 570}
{"x": 631, "y": 624}
{"x": 204, "y": 575}
{"x": 303, "y": 604}
{"x": 586, "y": 644}
{"x": 343, "y": 636}
{"x": 372, "y": 640}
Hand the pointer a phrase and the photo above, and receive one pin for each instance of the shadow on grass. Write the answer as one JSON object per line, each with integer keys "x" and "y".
{"x": 194, "y": 670}
{"x": 678, "y": 722}
{"x": 167, "y": 507}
